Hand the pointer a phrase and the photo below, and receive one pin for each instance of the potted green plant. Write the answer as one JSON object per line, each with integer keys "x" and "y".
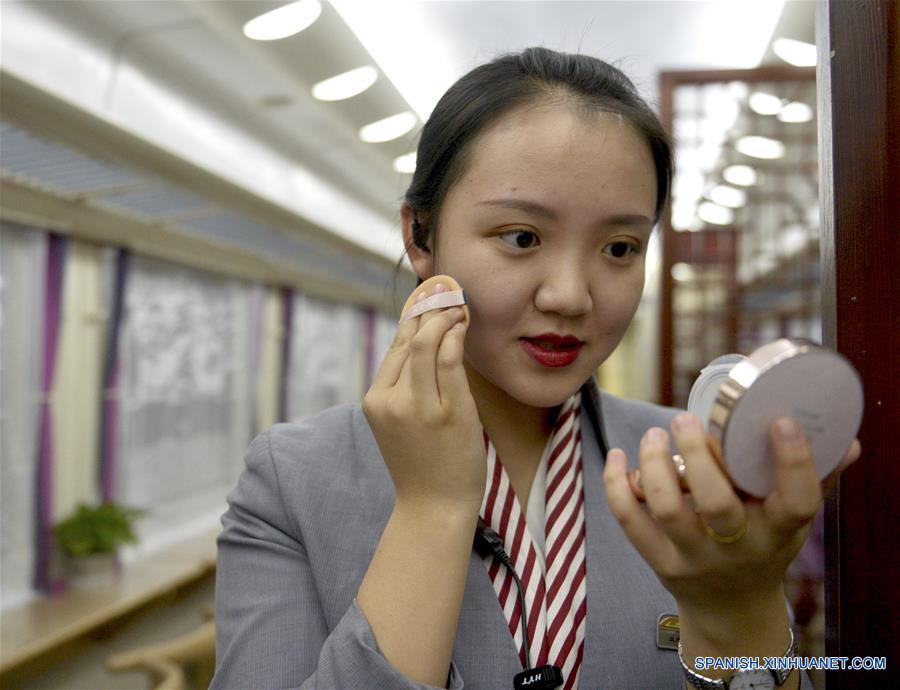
{"x": 91, "y": 537}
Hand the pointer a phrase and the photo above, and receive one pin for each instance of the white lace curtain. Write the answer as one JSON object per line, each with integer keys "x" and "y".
{"x": 327, "y": 358}
{"x": 186, "y": 395}
{"x": 199, "y": 371}
{"x": 22, "y": 274}
{"x": 383, "y": 331}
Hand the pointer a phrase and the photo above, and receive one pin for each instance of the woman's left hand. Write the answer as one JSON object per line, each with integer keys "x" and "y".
{"x": 714, "y": 550}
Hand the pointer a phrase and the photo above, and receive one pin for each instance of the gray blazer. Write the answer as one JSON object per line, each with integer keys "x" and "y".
{"x": 301, "y": 529}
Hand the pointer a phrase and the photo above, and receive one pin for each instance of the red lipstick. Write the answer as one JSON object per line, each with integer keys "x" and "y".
{"x": 551, "y": 349}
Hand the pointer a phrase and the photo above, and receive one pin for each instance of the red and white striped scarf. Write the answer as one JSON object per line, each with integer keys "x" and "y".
{"x": 556, "y": 603}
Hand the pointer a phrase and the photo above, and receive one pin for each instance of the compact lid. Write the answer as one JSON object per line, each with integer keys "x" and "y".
{"x": 788, "y": 378}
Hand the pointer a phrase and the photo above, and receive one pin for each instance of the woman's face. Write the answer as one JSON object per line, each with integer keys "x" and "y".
{"x": 547, "y": 232}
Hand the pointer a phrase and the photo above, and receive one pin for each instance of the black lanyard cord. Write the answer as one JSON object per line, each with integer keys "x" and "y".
{"x": 489, "y": 543}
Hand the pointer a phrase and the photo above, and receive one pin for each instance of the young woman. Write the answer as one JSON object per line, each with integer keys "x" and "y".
{"x": 347, "y": 557}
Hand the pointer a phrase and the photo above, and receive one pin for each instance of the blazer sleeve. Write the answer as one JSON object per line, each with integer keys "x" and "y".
{"x": 270, "y": 627}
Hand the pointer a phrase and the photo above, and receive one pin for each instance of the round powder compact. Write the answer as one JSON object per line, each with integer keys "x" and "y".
{"x": 706, "y": 387}
{"x": 794, "y": 378}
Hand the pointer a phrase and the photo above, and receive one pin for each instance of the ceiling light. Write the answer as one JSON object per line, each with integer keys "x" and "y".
{"x": 760, "y": 147}
{"x": 764, "y": 103}
{"x": 284, "y": 21}
{"x": 715, "y": 214}
{"x": 796, "y": 112}
{"x": 683, "y": 273}
{"x": 742, "y": 175}
{"x": 811, "y": 215}
{"x": 763, "y": 264}
{"x": 392, "y": 36}
{"x": 405, "y": 163}
{"x": 797, "y": 53}
{"x": 793, "y": 239}
{"x": 724, "y": 195}
{"x": 388, "y": 128}
{"x": 345, "y": 85}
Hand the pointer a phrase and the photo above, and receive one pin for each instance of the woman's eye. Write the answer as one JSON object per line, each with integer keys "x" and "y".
{"x": 620, "y": 250}
{"x": 521, "y": 239}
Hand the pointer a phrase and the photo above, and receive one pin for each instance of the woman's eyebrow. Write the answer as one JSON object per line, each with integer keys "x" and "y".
{"x": 546, "y": 212}
{"x": 525, "y": 205}
{"x": 630, "y": 219}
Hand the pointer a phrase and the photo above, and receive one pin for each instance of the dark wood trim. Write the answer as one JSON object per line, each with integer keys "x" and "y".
{"x": 859, "y": 102}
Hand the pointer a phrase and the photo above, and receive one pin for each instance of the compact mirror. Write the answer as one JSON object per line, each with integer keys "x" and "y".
{"x": 739, "y": 397}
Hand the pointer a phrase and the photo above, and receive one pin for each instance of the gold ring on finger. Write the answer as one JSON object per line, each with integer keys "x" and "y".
{"x": 726, "y": 539}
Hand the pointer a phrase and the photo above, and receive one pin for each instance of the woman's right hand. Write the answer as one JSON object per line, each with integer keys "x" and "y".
{"x": 424, "y": 418}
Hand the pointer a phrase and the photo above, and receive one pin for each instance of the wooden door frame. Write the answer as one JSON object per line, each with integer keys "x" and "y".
{"x": 859, "y": 163}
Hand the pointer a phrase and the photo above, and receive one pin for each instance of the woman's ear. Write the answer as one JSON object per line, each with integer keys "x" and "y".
{"x": 421, "y": 258}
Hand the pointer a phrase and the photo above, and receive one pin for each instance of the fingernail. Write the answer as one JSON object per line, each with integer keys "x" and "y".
{"x": 421, "y": 296}
{"x": 617, "y": 460}
{"x": 440, "y": 287}
{"x": 654, "y": 436}
{"x": 788, "y": 430}
{"x": 686, "y": 422}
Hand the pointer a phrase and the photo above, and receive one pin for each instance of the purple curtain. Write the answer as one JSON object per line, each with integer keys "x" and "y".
{"x": 47, "y": 577}
{"x": 110, "y": 412}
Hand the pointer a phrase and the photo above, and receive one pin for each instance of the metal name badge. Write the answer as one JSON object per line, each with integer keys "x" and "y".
{"x": 667, "y": 631}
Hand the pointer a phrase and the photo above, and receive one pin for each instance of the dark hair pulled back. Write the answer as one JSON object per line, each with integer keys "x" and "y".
{"x": 489, "y": 91}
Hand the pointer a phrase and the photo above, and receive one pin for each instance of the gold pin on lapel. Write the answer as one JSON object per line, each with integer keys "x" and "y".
{"x": 667, "y": 631}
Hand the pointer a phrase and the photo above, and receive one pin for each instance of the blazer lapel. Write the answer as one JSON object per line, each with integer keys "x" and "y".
{"x": 624, "y": 595}
{"x": 483, "y": 634}
{"x": 596, "y": 524}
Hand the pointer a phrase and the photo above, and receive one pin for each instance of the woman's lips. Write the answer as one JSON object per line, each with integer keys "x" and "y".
{"x": 552, "y": 352}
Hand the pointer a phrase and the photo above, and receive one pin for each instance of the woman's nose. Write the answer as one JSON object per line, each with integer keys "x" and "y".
{"x": 565, "y": 290}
